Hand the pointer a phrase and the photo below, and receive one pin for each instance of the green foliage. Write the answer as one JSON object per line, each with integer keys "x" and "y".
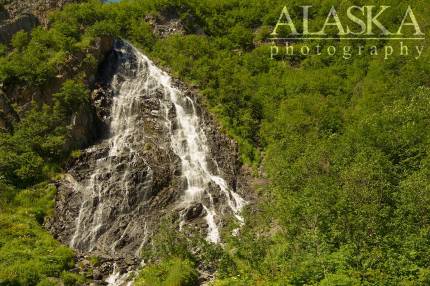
{"x": 20, "y": 40}
{"x": 72, "y": 279}
{"x": 71, "y": 96}
{"x": 173, "y": 272}
{"x": 40, "y": 137}
{"x": 241, "y": 36}
{"x": 339, "y": 280}
{"x": 166, "y": 243}
{"x": 3, "y": 50}
{"x": 104, "y": 28}
{"x": 170, "y": 258}
{"x": 49, "y": 282}
{"x": 95, "y": 260}
{"x": 170, "y": 250}
{"x": 28, "y": 254}
{"x": 345, "y": 149}
{"x": 141, "y": 32}
{"x": 76, "y": 154}
{"x": 344, "y": 145}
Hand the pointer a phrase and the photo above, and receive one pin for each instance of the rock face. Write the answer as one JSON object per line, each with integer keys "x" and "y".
{"x": 8, "y": 28}
{"x": 160, "y": 153}
{"x": 25, "y": 15}
{"x": 163, "y": 26}
{"x": 84, "y": 125}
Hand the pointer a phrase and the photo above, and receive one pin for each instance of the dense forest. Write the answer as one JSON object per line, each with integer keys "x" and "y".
{"x": 339, "y": 148}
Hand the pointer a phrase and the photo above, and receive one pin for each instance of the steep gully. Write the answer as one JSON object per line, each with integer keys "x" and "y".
{"x": 161, "y": 154}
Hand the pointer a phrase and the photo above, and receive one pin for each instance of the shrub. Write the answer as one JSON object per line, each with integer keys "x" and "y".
{"x": 72, "y": 279}
{"x": 172, "y": 272}
{"x": 70, "y": 97}
{"x": 20, "y": 40}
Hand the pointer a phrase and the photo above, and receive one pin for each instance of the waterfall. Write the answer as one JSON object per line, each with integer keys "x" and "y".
{"x": 117, "y": 186}
{"x": 112, "y": 174}
{"x": 189, "y": 142}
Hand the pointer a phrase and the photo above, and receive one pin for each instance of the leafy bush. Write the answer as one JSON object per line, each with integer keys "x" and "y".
{"x": 28, "y": 254}
{"x": 71, "y": 96}
{"x": 72, "y": 279}
{"x": 344, "y": 146}
{"x": 20, "y": 40}
{"x": 173, "y": 272}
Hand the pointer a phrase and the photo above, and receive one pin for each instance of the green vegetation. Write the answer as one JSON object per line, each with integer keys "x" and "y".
{"x": 344, "y": 144}
{"x": 28, "y": 254}
{"x": 172, "y": 258}
{"x": 174, "y": 272}
{"x": 32, "y": 152}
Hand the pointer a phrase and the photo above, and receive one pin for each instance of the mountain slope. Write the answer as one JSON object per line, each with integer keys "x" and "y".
{"x": 341, "y": 146}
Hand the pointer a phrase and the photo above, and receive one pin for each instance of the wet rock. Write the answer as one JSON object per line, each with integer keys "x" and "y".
{"x": 116, "y": 192}
{"x": 193, "y": 212}
{"x": 97, "y": 274}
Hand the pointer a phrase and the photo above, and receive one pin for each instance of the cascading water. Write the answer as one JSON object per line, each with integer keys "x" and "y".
{"x": 156, "y": 159}
{"x": 190, "y": 144}
{"x": 125, "y": 135}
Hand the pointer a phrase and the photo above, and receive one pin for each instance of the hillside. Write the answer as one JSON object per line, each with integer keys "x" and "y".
{"x": 334, "y": 149}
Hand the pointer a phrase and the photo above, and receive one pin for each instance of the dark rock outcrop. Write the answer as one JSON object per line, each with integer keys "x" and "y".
{"x": 25, "y": 15}
{"x": 24, "y": 22}
{"x": 84, "y": 124}
{"x": 143, "y": 181}
{"x": 164, "y": 26}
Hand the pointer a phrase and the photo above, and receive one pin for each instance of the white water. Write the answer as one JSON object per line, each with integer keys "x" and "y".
{"x": 106, "y": 181}
{"x": 118, "y": 279}
{"x": 188, "y": 141}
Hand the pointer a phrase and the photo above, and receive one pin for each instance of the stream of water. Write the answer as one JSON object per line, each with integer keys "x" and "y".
{"x": 139, "y": 76}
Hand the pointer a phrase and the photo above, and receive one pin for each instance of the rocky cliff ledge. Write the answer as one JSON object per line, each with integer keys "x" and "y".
{"x": 25, "y": 15}
{"x": 15, "y": 100}
{"x": 143, "y": 181}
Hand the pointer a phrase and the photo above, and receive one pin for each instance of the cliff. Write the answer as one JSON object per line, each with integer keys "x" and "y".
{"x": 161, "y": 154}
{"x": 25, "y": 15}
